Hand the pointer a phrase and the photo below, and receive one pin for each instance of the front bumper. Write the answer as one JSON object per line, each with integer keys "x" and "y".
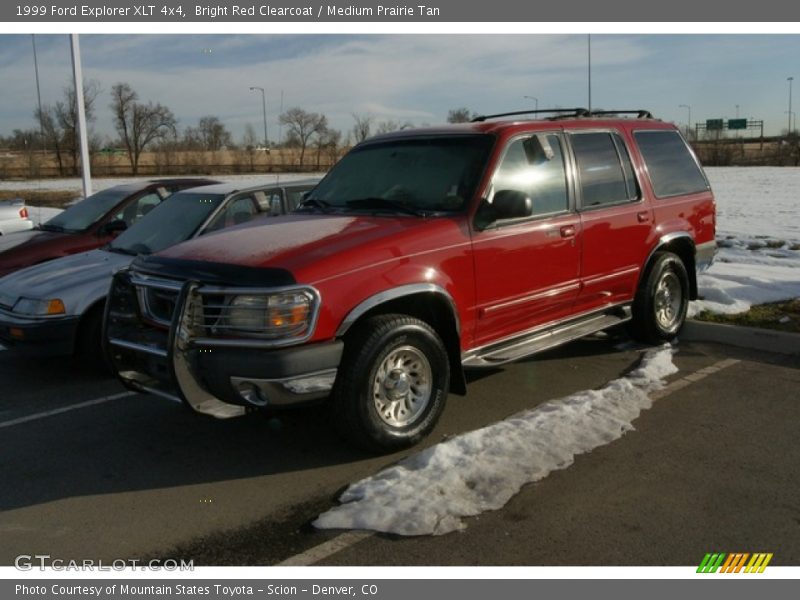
{"x": 31, "y": 336}
{"x": 222, "y": 378}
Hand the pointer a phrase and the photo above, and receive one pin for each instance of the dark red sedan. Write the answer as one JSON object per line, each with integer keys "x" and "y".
{"x": 89, "y": 224}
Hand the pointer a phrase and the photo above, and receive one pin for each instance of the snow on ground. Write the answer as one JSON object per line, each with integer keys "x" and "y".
{"x": 758, "y": 234}
{"x": 430, "y": 492}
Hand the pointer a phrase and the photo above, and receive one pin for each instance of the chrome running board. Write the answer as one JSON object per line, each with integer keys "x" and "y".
{"x": 545, "y": 338}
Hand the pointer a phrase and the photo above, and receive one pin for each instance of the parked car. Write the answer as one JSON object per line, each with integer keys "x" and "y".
{"x": 88, "y": 224}
{"x": 420, "y": 254}
{"x": 14, "y": 216}
{"x": 56, "y": 308}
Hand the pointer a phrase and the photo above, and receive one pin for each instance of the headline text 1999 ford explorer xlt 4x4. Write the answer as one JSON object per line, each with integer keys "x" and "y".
{"x": 422, "y": 253}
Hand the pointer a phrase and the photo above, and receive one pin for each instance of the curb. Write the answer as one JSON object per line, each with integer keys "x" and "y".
{"x": 767, "y": 340}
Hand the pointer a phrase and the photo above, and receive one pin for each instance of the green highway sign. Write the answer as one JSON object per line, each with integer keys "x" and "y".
{"x": 714, "y": 123}
{"x": 737, "y": 123}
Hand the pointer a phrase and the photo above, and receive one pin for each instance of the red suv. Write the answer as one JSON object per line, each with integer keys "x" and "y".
{"x": 420, "y": 254}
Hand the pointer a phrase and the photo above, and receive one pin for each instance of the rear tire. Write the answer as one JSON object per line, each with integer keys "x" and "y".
{"x": 392, "y": 384}
{"x": 661, "y": 302}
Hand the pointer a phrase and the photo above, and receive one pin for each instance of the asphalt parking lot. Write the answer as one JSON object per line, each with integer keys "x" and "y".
{"x": 91, "y": 472}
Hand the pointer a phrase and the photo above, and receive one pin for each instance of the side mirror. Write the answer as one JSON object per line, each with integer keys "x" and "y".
{"x": 512, "y": 204}
{"x": 113, "y": 227}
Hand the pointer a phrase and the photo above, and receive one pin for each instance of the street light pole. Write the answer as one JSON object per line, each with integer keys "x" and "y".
{"x": 77, "y": 74}
{"x": 689, "y": 123}
{"x": 264, "y": 109}
{"x": 737, "y": 111}
{"x": 38, "y": 90}
{"x": 790, "y": 79}
{"x": 535, "y": 99}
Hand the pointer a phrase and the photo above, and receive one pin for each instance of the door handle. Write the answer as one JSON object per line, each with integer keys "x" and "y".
{"x": 643, "y": 216}
{"x": 568, "y": 231}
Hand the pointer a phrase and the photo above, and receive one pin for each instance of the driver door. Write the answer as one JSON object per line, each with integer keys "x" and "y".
{"x": 527, "y": 268}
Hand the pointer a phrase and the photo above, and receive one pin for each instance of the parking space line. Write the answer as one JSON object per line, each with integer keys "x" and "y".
{"x": 63, "y": 409}
{"x": 345, "y": 540}
{"x": 317, "y": 553}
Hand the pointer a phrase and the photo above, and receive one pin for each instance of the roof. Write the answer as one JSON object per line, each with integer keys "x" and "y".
{"x": 231, "y": 187}
{"x": 490, "y": 125}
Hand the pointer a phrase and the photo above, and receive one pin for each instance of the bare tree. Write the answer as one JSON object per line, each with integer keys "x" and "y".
{"x": 213, "y": 134}
{"x": 138, "y": 124}
{"x": 249, "y": 143}
{"x": 389, "y": 126}
{"x": 327, "y": 140}
{"x": 362, "y": 127}
{"x": 59, "y": 124}
{"x": 302, "y": 126}
{"x": 66, "y": 113}
{"x": 459, "y": 115}
{"x": 53, "y": 138}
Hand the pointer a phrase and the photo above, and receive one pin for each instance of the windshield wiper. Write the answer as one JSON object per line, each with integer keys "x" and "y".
{"x": 120, "y": 250}
{"x": 311, "y": 203}
{"x": 376, "y": 202}
{"x": 46, "y": 227}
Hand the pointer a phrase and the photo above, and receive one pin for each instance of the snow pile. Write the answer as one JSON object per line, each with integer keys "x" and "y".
{"x": 748, "y": 271}
{"x": 758, "y": 234}
{"x": 429, "y": 492}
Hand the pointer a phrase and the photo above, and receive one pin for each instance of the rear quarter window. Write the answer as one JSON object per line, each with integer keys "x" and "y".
{"x": 672, "y": 168}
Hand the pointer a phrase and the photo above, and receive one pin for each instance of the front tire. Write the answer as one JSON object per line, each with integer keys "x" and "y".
{"x": 392, "y": 384}
{"x": 659, "y": 309}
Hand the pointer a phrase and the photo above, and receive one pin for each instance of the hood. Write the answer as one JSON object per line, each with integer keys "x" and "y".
{"x": 320, "y": 246}
{"x": 24, "y": 248}
{"x": 32, "y": 237}
{"x": 74, "y": 279}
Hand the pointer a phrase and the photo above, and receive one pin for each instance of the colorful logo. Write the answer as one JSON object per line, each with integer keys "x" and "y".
{"x": 735, "y": 562}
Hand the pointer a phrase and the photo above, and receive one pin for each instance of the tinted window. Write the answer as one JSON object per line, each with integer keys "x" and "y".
{"x": 239, "y": 210}
{"x": 135, "y": 210}
{"x": 603, "y": 180}
{"x": 169, "y": 223}
{"x": 432, "y": 173}
{"x": 673, "y": 171}
{"x": 535, "y": 166}
{"x": 87, "y": 212}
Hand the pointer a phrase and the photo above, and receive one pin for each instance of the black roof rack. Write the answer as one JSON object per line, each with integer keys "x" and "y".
{"x": 575, "y": 112}
{"x": 566, "y": 113}
{"x": 640, "y": 113}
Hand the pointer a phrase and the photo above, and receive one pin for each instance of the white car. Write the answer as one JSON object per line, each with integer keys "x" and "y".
{"x": 14, "y": 216}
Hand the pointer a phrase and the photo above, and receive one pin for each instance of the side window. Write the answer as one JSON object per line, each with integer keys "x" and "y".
{"x": 535, "y": 166}
{"x": 138, "y": 208}
{"x": 604, "y": 168}
{"x": 295, "y": 197}
{"x": 672, "y": 169}
{"x": 239, "y": 210}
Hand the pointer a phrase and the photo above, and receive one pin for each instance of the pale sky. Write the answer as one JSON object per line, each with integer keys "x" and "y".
{"x": 415, "y": 78}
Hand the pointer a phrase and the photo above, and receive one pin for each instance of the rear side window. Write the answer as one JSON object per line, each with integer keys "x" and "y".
{"x": 604, "y": 168}
{"x": 673, "y": 171}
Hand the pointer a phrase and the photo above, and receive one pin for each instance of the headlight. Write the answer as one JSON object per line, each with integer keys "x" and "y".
{"x": 38, "y": 308}
{"x": 274, "y": 315}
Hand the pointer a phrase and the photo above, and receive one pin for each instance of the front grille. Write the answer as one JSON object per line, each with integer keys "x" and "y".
{"x": 159, "y": 305}
{"x": 157, "y": 298}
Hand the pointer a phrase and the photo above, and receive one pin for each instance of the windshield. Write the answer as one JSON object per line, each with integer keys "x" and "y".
{"x": 406, "y": 175}
{"x": 86, "y": 212}
{"x": 171, "y": 222}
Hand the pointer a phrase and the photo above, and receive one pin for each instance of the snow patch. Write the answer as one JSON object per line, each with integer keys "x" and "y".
{"x": 430, "y": 492}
